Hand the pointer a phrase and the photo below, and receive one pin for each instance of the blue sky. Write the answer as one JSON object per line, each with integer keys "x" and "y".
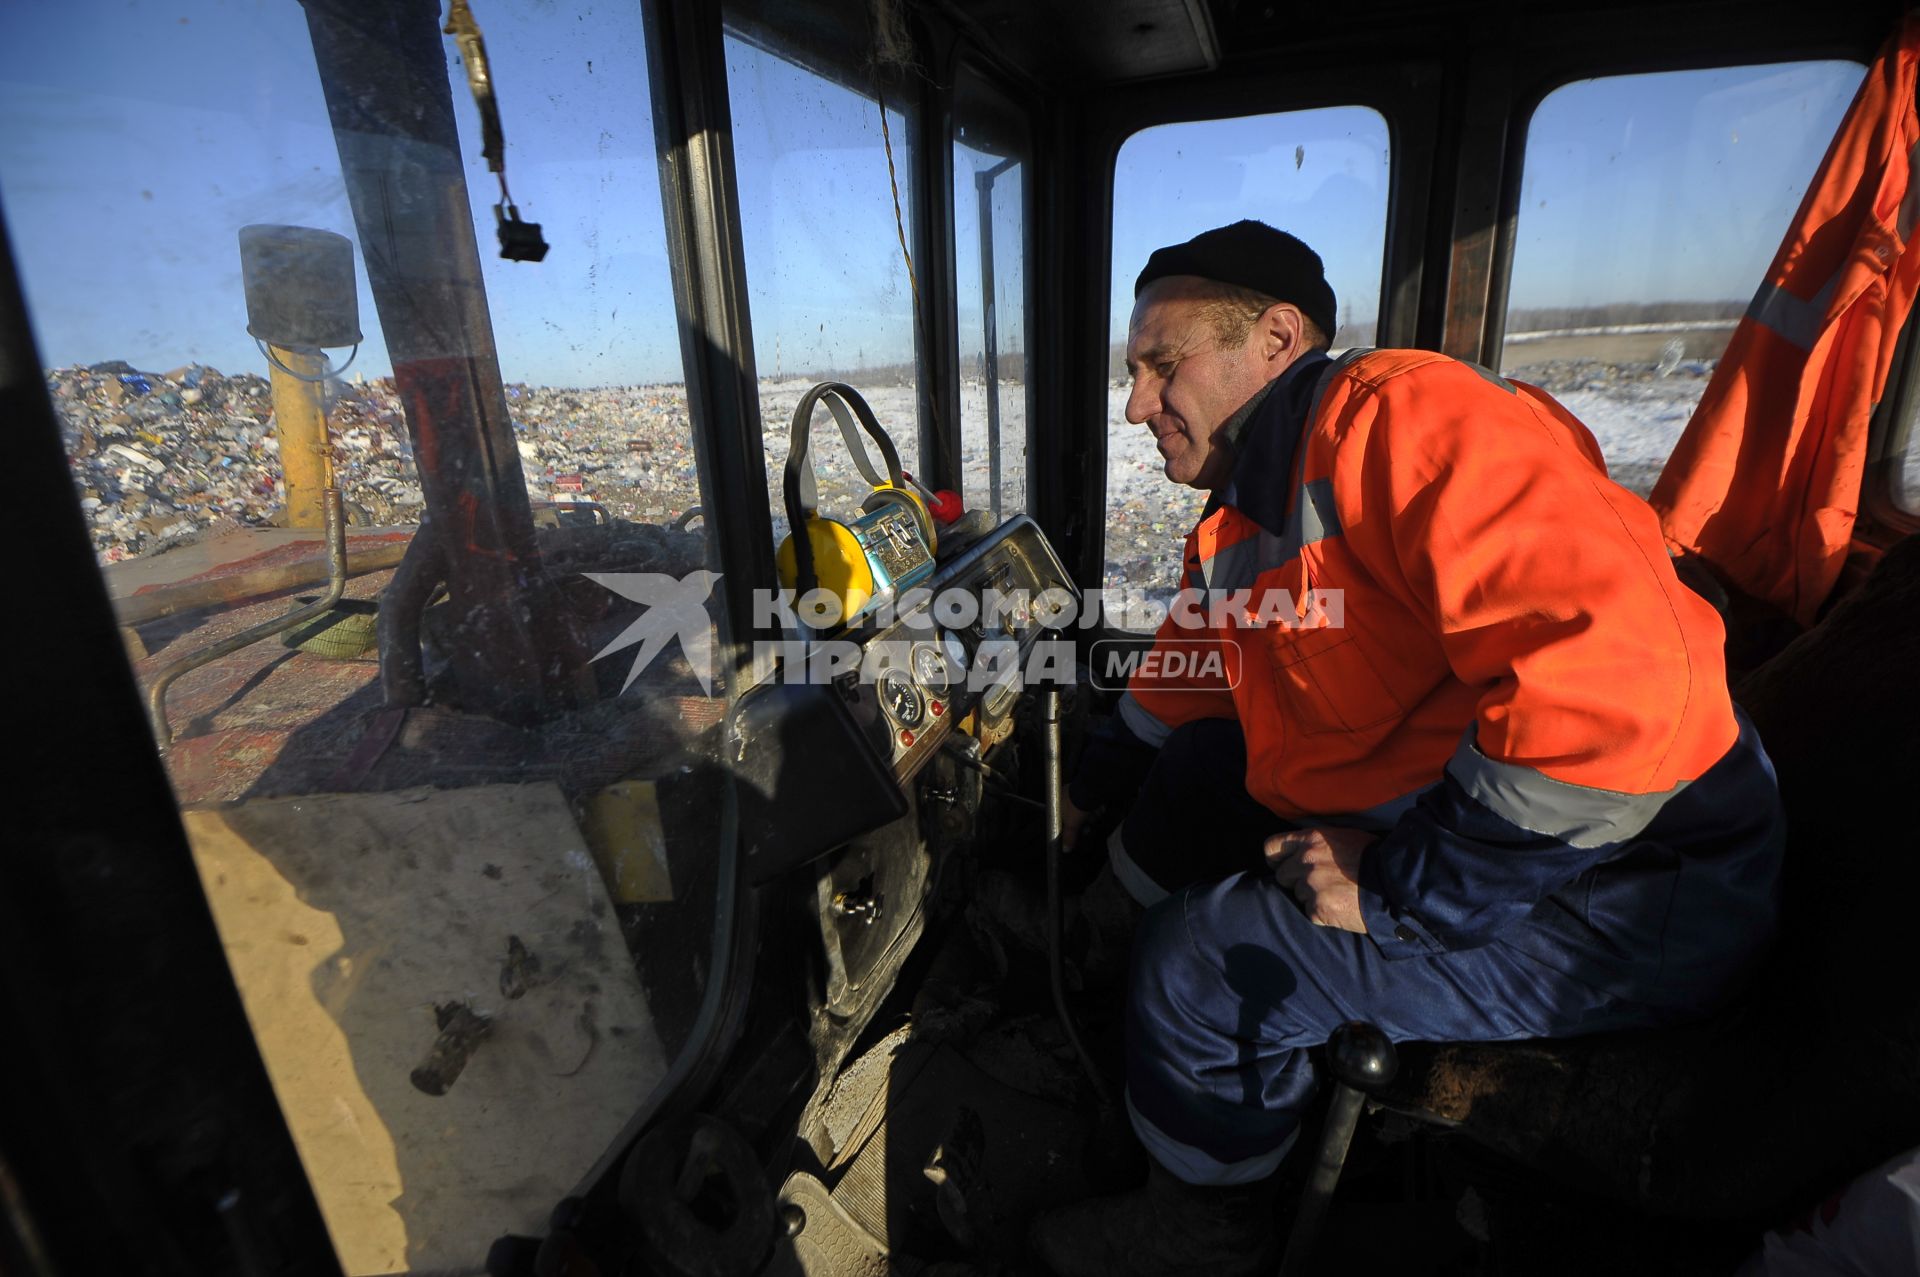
{"x": 1320, "y": 174}
{"x": 136, "y": 139}
{"x": 1673, "y": 187}
{"x": 1662, "y": 187}
{"x": 826, "y": 282}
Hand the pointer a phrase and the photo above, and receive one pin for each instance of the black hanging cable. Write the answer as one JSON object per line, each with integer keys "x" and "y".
{"x": 519, "y": 241}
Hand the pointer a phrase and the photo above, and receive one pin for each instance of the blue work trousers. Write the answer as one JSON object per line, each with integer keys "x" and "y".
{"x": 1231, "y": 982}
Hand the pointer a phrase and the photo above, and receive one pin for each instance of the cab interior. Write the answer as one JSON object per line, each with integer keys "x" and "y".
{"x": 500, "y": 945}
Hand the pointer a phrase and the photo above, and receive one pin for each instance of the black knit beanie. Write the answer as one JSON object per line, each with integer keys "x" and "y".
{"x": 1252, "y": 255}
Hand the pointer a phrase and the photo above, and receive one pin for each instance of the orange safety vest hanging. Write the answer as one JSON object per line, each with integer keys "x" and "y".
{"x": 1765, "y": 483}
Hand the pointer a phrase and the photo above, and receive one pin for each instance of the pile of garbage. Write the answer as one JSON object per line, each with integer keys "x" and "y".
{"x": 627, "y": 448}
{"x": 159, "y": 458}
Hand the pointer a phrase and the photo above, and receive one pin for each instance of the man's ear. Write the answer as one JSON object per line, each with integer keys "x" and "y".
{"x": 1281, "y": 332}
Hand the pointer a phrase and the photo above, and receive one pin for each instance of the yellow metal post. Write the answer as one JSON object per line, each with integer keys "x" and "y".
{"x": 300, "y": 421}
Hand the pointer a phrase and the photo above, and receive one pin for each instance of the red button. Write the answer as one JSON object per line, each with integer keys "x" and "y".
{"x": 938, "y": 709}
{"x": 906, "y": 737}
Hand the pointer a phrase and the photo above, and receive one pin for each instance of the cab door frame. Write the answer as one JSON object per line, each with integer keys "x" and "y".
{"x": 1070, "y": 499}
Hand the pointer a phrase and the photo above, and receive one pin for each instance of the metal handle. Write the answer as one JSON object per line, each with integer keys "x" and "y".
{"x": 1362, "y": 1060}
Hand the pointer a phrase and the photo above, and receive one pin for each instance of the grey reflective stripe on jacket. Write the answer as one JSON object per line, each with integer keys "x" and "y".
{"x": 1312, "y": 518}
{"x": 1577, "y": 815}
{"x": 1790, "y": 319}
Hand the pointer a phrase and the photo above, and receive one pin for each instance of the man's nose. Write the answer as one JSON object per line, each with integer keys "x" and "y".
{"x": 1142, "y": 403}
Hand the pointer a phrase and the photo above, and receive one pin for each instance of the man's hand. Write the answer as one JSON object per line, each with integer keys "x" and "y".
{"x": 1071, "y": 819}
{"x": 1321, "y": 867}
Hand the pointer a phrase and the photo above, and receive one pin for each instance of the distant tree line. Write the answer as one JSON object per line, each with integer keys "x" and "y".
{"x": 1012, "y": 367}
{"x": 1537, "y": 319}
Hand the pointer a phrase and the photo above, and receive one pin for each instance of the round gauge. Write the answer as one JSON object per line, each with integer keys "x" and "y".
{"x": 930, "y": 669}
{"x": 956, "y": 653}
{"x": 900, "y": 698}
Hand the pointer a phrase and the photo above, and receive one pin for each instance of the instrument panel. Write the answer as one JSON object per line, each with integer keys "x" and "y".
{"x": 825, "y": 745}
{"x": 957, "y": 653}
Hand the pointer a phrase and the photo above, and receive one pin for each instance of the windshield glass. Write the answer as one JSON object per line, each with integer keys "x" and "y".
{"x": 1650, "y": 206}
{"x": 826, "y": 169}
{"x": 466, "y": 890}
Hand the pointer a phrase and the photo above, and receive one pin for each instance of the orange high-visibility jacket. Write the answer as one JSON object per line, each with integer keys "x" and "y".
{"x": 1500, "y": 616}
{"x": 1765, "y": 483}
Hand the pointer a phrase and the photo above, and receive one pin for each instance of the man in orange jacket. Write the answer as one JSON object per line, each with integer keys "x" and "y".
{"x": 1470, "y": 770}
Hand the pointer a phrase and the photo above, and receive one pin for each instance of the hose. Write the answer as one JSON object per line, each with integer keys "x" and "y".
{"x": 336, "y": 588}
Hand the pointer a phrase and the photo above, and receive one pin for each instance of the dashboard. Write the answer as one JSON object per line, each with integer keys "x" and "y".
{"x": 955, "y": 660}
{"x": 826, "y": 745}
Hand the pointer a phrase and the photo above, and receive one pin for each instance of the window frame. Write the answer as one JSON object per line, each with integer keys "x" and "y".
{"x": 1881, "y": 520}
{"x": 1526, "y": 108}
{"x": 810, "y": 34}
{"x": 1405, "y": 94}
{"x": 967, "y": 63}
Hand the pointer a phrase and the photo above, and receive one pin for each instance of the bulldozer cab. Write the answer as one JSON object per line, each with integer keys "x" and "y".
{"x": 505, "y": 787}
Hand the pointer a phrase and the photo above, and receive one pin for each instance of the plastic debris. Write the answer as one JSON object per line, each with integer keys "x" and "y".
{"x": 160, "y": 457}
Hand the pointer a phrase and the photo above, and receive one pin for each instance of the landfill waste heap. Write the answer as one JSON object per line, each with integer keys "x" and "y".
{"x": 159, "y": 458}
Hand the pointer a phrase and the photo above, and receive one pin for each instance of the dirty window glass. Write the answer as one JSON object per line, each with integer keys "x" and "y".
{"x": 1319, "y": 174}
{"x": 827, "y": 280}
{"x": 466, "y": 891}
{"x": 991, "y": 159}
{"x": 1650, "y": 206}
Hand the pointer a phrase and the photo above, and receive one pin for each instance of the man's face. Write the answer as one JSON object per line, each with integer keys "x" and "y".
{"x": 1184, "y": 385}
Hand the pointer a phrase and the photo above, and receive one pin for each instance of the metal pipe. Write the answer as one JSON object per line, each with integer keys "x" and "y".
{"x": 242, "y": 587}
{"x": 336, "y": 588}
{"x": 990, "y": 328}
{"x": 1055, "y": 783}
{"x": 383, "y": 73}
{"x": 402, "y": 605}
{"x": 300, "y": 422}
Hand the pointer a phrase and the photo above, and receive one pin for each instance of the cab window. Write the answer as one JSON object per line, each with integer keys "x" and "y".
{"x": 1650, "y": 206}
{"x": 828, "y": 284}
{"x": 1320, "y": 174}
{"x": 992, "y": 157}
{"x": 457, "y": 938}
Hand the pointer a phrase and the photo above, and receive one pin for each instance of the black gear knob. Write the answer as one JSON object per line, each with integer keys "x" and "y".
{"x": 1362, "y": 1060}
{"x": 1361, "y": 1056}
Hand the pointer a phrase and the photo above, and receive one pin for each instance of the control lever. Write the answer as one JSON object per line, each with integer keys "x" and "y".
{"x": 858, "y": 905}
{"x": 1362, "y": 1060}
